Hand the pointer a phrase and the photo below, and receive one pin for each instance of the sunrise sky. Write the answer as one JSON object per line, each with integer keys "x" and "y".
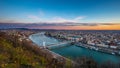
{"x": 62, "y": 14}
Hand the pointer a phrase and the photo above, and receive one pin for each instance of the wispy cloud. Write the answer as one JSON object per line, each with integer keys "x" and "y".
{"x": 64, "y": 24}
{"x": 56, "y": 19}
{"x": 79, "y": 18}
{"x": 59, "y": 19}
{"x": 77, "y": 24}
{"x": 36, "y": 17}
{"x": 33, "y": 17}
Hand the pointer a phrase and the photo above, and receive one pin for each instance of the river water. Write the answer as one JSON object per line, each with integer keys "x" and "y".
{"x": 74, "y": 51}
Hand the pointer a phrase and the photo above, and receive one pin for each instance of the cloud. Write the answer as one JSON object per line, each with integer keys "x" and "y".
{"x": 39, "y": 18}
{"x": 36, "y": 17}
{"x": 79, "y": 18}
{"x": 59, "y": 19}
{"x": 109, "y": 23}
{"x": 56, "y": 25}
{"x": 60, "y": 24}
{"x": 33, "y": 17}
{"x": 11, "y": 21}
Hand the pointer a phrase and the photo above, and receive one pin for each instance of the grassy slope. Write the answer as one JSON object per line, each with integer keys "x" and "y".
{"x": 18, "y": 57}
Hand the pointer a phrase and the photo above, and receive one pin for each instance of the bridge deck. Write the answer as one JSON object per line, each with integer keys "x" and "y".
{"x": 58, "y": 45}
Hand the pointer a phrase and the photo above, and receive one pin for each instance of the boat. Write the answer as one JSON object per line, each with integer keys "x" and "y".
{"x": 96, "y": 49}
{"x": 113, "y": 53}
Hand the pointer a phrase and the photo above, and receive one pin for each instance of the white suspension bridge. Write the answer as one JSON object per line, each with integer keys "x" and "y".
{"x": 50, "y": 45}
{"x": 61, "y": 44}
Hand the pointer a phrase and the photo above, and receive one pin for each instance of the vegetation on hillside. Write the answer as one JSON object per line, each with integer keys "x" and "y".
{"x": 23, "y": 54}
{"x": 15, "y": 54}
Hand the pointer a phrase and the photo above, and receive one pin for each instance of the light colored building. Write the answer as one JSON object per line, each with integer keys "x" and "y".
{"x": 102, "y": 45}
{"x": 114, "y": 47}
{"x": 90, "y": 43}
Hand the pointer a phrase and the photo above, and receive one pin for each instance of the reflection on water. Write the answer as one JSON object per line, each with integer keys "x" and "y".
{"x": 74, "y": 51}
{"x": 39, "y": 39}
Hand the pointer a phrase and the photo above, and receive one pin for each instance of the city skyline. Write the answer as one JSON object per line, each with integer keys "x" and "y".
{"x": 72, "y": 14}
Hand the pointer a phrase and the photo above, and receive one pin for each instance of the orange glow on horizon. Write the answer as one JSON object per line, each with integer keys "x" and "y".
{"x": 98, "y": 27}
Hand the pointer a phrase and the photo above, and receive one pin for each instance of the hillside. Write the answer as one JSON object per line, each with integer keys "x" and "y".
{"x": 16, "y": 54}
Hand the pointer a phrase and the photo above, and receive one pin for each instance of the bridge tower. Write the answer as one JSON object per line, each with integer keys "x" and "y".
{"x": 44, "y": 45}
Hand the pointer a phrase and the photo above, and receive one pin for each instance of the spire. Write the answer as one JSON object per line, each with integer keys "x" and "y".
{"x": 44, "y": 45}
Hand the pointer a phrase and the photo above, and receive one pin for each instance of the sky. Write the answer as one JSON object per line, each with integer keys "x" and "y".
{"x": 54, "y": 12}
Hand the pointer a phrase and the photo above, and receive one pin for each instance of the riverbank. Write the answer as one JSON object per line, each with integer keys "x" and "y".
{"x": 100, "y": 49}
{"x": 107, "y": 50}
{"x": 75, "y": 52}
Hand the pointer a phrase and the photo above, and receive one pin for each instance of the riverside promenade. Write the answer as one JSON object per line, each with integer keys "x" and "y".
{"x": 100, "y": 49}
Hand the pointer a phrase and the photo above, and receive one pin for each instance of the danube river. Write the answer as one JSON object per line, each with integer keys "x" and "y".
{"x": 74, "y": 51}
